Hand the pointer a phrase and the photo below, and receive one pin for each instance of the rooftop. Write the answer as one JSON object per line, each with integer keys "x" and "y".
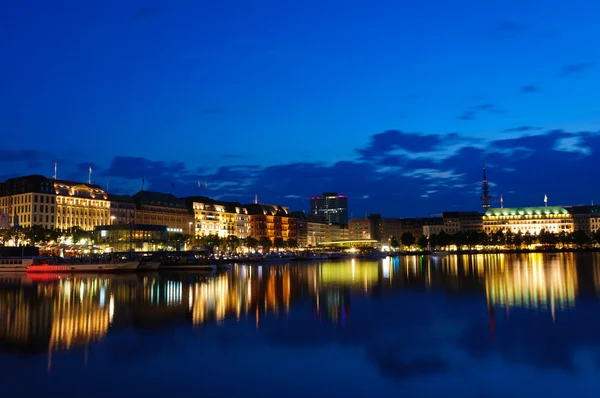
{"x": 515, "y": 211}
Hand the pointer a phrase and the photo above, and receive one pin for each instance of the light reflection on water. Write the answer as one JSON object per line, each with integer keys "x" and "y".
{"x": 54, "y": 313}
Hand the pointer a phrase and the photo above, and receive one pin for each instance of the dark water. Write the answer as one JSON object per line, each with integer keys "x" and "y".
{"x": 478, "y": 326}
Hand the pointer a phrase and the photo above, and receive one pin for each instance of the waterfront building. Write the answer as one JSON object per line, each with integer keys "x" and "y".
{"x": 156, "y": 208}
{"x": 270, "y": 221}
{"x": 27, "y": 201}
{"x": 364, "y": 228}
{"x": 53, "y": 204}
{"x": 122, "y": 209}
{"x": 530, "y": 220}
{"x": 462, "y": 221}
{"x": 383, "y": 229}
{"x": 214, "y": 217}
{"x": 585, "y": 218}
{"x": 138, "y": 237}
{"x": 80, "y": 205}
{"x": 432, "y": 225}
{"x": 332, "y": 206}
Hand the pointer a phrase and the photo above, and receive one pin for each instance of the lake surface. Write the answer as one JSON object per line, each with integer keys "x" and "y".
{"x": 474, "y": 325}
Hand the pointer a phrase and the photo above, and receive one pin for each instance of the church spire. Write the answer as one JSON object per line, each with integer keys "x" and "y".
{"x": 485, "y": 190}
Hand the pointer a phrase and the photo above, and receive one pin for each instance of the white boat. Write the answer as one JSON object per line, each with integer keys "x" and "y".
{"x": 100, "y": 267}
{"x": 15, "y": 264}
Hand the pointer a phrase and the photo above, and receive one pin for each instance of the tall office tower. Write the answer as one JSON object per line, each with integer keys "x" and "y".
{"x": 332, "y": 206}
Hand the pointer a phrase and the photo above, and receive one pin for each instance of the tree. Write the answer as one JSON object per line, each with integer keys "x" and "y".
{"x": 443, "y": 239}
{"x": 547, "y": 238}
{"x": 528, "y": 239}
{"x": 278, "y": 243}
{"x": 407, "y": 239}
{"x": 596, "y": 235}
{"x": 233, "y": 242}
{"x": 580, "y": 238}
{"x": 292, "y": 243}
{"x": 394, "y": 242}
{"x": 213, "y": 241}
{"x": 422, "y": 242}
{"x": 518, "y": 240}
{"x": 563, "y": 238}
{"x": 459, "y": 239}
{"x": 265, "y": 243}
{"x": 433, "y": 241}
{"x": 251, "y": 243}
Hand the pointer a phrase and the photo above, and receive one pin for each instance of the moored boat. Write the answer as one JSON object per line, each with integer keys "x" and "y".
{"x": 98, "y": 267}
{"x": 147, "y": 265}
{"x": 15, "y": 264}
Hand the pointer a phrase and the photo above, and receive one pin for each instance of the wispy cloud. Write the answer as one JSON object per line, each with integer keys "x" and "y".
{"x": 572, "y": 69}
{"x": 530, "y": 88}
{"x": 521, "y": 129}
{"x": 506, "y": 30}
{"x": 473, "y": 111}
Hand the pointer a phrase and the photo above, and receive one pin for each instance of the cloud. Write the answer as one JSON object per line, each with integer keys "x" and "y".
{"x": 530, "y": 88}
{"x": 506, "y": 30}
{"x": 473, "y": 111}
{"x": 521, "y": 129}
{"x": 573, "y": 69}
{"x": 396, "y": 168}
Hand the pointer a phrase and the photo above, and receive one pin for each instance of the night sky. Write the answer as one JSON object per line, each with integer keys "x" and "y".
{"x": 395, "y": 103}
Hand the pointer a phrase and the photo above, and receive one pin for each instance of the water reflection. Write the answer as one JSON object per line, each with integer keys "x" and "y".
{"x": 48, "y": 314}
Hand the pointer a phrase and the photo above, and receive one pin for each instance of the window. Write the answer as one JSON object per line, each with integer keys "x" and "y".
{"x": 35, "y": 198}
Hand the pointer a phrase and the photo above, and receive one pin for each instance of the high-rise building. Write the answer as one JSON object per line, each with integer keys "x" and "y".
{"x": 332, "y": 206}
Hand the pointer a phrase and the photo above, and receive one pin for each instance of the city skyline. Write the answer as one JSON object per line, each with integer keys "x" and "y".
{"x": 395, "y": 106}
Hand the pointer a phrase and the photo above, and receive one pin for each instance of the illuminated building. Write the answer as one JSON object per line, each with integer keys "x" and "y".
{"x": 312, "y": 229}
{"x": 122, "y": 209}
{"x": 364, "y": 228}
{"x": 214, "y": 217}
{"x": 553, "y": 219}
{"x": 382, "y": 229}
{"x": 156, "y": 208}
{"x": 28, "y": 201}
{"x": 270, "y": 221}
{"x": 585, "y": 218}
{"x": 331, "y": 206}
{"x": 80, "y": 205}
{"x": 123, "y": 237}
{"x": 457, "y": 221}
{"x": 432, "y": 225}
{"x": 53, "y": 204}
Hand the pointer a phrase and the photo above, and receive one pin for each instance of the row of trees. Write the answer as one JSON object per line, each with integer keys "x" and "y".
{"x": 232, "y": 243}
{"x": 36, "y": 234}
{"x": 508, "y": 239}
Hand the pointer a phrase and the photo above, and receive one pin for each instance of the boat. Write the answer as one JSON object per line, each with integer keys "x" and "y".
{"x": 68, "y": 268}
{"x": 15, "y": 264}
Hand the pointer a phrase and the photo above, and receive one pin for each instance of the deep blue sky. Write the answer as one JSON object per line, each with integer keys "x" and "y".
{"x": 395, "y": 103}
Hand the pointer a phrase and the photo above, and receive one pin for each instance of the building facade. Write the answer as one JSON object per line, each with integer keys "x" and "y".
{"x": 462, "y": 221}
{"x": 122, "y": 209}
{"x": 532, "y": 220}
{"x": 80, "y": 205}
{"x": 214, "y": 217}
{"x": 432, "y": 225}
{"x": 27, "y": 201}
{"x": 137, "y": 237}
{"x": 156, "y": 208}
{"x": 271, "y": 221}
{"x": 364, "y": 228}
{"x": 332, "y": 206}
{"x": 53, "y": 204}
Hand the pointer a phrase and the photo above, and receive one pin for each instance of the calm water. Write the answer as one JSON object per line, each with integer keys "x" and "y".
{"x": 481, "y": 326}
